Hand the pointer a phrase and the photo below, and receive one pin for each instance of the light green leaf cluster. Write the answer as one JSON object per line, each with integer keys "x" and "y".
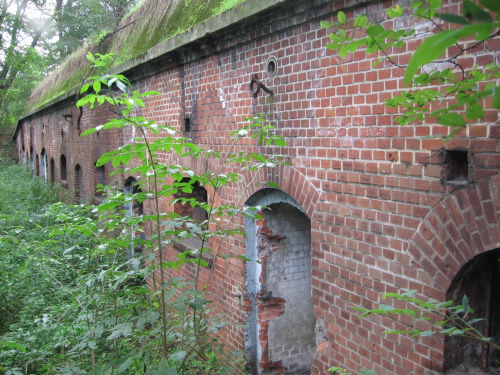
{"x": 453, "y": 97}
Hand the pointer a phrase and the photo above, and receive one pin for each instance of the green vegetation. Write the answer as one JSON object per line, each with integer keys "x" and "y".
{"x": 76, "y": 302}
{"x": 37, "y": 35}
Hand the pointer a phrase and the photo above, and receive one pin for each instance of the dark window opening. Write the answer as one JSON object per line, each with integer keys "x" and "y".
{"x": 52, "y": 170}
{"x": 455, "y": 167}
{"x": 32, "y": 162}
{"x": 64, "y": 174}
{"x": 134, "y": 208}
{"x": 78, "y": 184}
{"x": 194, "y": 214}
{"x": 187, "y": 124}
{"x": 44, "y": 165}
{"x": 99, "y": 179}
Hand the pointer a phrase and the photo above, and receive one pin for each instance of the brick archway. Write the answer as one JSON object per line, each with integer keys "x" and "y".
{"x": 294, "y": 183}
{"x": 464, "y": 224}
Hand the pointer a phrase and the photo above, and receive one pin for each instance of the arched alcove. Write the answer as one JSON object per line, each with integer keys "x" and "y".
{"x": 43, "y": 164}
{"x": 455, "y": 250}
{"x": 99, "y": 179}
{"x": 194, "y": 213}
{"x": 52, "y": 170}
{"x": 37, "y": 165}
{"x": 78, "y": 184}
{"x": 63, "y": 171}
{"x": 32, "y": 162}
{"x": 479, "y": 280}
{"x": 281, "y": 333}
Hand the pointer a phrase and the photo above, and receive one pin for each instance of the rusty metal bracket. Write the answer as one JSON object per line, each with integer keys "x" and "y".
{"x": 256, "y": 86}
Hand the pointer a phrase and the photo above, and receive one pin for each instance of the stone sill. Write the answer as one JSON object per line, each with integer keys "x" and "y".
{"x": 194, "y": 244}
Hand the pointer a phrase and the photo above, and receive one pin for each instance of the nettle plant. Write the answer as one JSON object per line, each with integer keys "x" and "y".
{"x": 179, "y": 312}
{"x": 442, "y": 88}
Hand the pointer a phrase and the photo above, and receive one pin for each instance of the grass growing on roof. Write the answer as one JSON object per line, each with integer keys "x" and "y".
{"x": 153, "y": 22}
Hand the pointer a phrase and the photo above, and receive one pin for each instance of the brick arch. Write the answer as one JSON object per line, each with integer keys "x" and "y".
{"x": 464, "y": 224}
{"x": 291, "y": 181}
{"x": 199, "y": 166}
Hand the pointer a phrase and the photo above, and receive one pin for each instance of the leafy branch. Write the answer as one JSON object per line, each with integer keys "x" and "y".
{"x": 436, "y": 93}
{"x": 444, "y": 317}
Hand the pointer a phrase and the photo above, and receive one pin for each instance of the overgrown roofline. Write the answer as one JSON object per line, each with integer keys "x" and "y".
{"x": 232, "y": 17}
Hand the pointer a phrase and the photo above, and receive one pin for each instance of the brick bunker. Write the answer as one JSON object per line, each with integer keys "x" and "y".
{"x": 364, "y": 208}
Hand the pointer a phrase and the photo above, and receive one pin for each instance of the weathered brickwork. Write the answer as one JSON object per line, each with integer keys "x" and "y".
{"x": 382, "y": 216}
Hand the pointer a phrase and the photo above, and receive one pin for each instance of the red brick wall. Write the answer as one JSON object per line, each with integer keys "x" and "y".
{"x": 381, "y": 218}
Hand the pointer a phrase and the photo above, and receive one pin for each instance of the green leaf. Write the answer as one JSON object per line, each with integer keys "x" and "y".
{"x": 125, "y": 364}
{"x": 374, "y": 30}
{"x": 97, "y": 86}
{"x": 474, "y": 111}
{"x": 162, "y": 369}
{"x": 84, "y": 88}
{"x": 353, "y": 47}
{"x": 435, "y": 46}
{"x": 341, "y": 17}
{"x": 476, "y": 12}
{"x": 451, "y": 119}
{"x": 453, "y": 18}
{"x": 344, "y": 51}
{"x": 325, "y": 24}
{"x": 10, "y": 344}
{"x": 493, "y": 5}
{"x": 427, "y": 333}
{"x": 395, "y": 11}
{"x": 472, "y": 321}
{"x": 121, "y": 86}
{"x": 465, "y": 304}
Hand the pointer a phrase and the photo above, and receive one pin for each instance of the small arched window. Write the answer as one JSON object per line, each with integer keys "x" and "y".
{"x": 99, "y": 179}
{"x": 52, "y": 170}
{"x": 64, "y": 174}
{"x": 44, "y": 165}
{"x": 78, "y": 184}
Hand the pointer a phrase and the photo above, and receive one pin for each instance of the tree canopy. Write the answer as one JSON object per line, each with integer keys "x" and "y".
{"x": 36, "y": 35}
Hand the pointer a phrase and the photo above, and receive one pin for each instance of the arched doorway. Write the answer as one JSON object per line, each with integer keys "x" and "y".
{"x": 479, "y": 280}
{"x": 281, "y": 333}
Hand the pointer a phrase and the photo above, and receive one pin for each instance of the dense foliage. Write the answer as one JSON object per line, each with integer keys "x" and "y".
{"x": 35, "y": 36}
{"x": 85, "y": 307}
{"x": 71, "y": 302}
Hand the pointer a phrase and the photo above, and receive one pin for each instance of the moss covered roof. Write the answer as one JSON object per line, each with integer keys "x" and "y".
{"x": 152, "y": 23}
